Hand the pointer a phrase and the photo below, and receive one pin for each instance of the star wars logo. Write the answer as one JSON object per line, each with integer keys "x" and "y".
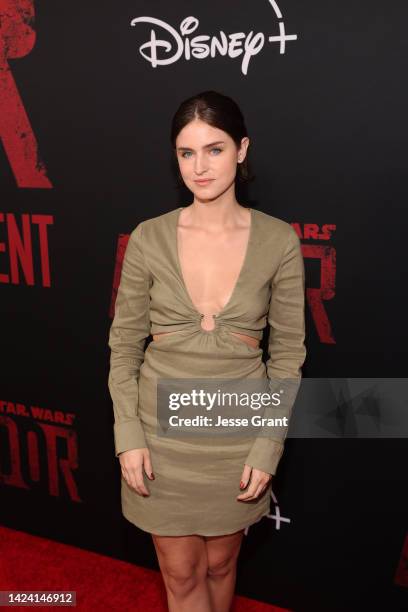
{"x": 40, "y": 451}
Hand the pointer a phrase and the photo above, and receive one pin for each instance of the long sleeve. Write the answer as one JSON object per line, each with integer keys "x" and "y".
{"x": 128, "y": 332}
{"x": 287, "y": 353}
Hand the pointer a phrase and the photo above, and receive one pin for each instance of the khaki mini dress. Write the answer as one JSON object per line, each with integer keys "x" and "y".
{"x": 197, "y": 482}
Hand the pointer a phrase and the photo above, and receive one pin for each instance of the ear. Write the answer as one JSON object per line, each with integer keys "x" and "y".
{"x": 243, "y": 149}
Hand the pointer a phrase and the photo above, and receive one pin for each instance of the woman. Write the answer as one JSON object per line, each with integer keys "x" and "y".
{"x": 204, "y": 281}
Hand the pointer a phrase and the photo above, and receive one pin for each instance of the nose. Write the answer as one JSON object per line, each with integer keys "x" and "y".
{"x": 200, "y": 165}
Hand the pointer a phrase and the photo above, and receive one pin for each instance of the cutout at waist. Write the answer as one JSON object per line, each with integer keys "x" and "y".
{"x": 250, "y": 340}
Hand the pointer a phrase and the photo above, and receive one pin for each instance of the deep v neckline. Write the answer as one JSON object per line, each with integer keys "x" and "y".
{"x": 240, "y": 275}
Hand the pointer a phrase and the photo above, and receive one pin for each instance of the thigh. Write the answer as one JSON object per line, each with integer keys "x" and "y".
{"x": 223, "y": 551}
{"x": 181, "y": 554}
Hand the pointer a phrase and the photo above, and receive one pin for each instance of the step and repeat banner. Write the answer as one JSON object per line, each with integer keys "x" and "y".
{"x": 87, "y": 94}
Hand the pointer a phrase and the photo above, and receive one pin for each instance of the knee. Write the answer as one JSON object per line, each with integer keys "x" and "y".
{"x": 219, "y": 567}
{"x": 182, "y": 578}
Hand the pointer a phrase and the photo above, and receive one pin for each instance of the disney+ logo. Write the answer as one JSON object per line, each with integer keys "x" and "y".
{"x": 178, "y": 44}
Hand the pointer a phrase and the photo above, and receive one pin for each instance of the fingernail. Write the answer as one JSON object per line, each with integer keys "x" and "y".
{"x": 152, "y": 476}
{"x": 242, "y": 485}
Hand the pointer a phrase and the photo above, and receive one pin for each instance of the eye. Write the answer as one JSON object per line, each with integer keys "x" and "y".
{"x": 187, "y": 152}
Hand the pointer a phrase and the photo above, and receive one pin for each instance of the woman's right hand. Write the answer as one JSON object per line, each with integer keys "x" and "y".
{"x": 132, "y": 463}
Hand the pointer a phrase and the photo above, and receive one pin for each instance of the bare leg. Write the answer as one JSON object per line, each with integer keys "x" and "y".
{"x": 222, "y": 554}
{"x": 183, "y": 563}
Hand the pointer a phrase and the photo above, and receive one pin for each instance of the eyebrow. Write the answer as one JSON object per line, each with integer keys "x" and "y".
{"x": 204, "y": 147}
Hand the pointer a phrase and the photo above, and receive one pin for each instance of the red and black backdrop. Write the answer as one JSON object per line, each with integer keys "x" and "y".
{"x": 87, "y": 92}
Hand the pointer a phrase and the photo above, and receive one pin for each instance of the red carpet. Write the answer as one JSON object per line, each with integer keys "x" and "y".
{"x": 101, "y": 583}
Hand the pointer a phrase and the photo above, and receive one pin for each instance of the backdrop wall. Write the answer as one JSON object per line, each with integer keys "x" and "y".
{"x": 86, "y": 100}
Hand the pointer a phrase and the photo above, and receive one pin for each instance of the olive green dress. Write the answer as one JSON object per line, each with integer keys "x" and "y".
{"x": 197, "y": 482}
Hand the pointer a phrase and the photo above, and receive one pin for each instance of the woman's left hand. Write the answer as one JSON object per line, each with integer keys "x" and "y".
{"x": 258, "y": 484}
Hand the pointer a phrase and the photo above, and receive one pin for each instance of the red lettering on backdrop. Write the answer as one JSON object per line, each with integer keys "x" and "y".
{"x": 20, "y": 248}
{"x": 401, "y": 574}
{"x": 58, "y": 468}
{"x": 316, "y": 296}
{"x": 17, "y": 39}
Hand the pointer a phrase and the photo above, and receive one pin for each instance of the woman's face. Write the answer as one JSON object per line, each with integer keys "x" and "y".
{"x": 205, "y": 152}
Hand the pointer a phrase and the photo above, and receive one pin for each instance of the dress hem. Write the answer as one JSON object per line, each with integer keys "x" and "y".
{"x": 201, "y": 532}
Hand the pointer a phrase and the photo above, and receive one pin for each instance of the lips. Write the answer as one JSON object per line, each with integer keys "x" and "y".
{"x": 204, "y": 182}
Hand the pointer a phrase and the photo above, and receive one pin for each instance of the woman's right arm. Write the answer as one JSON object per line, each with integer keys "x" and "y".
{"x": 128, "y": 332}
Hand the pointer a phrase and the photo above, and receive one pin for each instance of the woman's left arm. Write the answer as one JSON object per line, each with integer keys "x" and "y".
{"x": 287, "y": 352}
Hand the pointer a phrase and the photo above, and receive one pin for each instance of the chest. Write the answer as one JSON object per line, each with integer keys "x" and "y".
{"x": 211, "y": 265}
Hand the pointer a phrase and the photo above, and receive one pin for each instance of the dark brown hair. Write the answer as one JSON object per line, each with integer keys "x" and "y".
{"x": 219, "y": 111}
